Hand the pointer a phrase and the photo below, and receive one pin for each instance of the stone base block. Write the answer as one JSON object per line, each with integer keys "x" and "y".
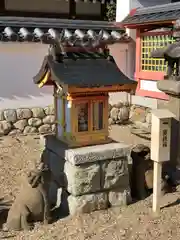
{"x": 87, "y": 203}
{"x": 119, "y": 197}
{"x": 83, "y": 155}
{"x": 114, "y": 174}
{"x": 82, "y": 179}
{"x": 90, "y": 174}
{"x": 98, "y": 176}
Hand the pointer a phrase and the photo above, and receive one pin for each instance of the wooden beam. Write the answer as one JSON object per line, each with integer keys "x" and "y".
{"x": 82, "y": 49}
{"x": 157, "y": 186}
{"x": 44, "y": 80}
{"x": 55, "y": 110}
{"x": 2, "y": 5}
{"x": 72, "y": 9}
{"x": 103, "y": 11}
{"x": 82, "y": 98}
{"x": 147, "y": 24}
{"x": 113, "y": 88}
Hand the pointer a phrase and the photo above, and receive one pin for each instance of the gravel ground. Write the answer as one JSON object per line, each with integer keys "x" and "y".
{"x": 133, "y": 222}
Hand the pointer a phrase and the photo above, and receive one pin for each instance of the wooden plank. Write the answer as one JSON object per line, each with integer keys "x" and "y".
{"x": 55, "y": 110}
{"x": 85, "y": 98}
{"x": 113, "y": 88}
{"x": 157, "y": 186}
{"x": 44, "y": 80}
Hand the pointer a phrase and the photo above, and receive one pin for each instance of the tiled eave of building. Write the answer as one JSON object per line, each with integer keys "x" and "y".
{"x": 166, "y": 13}
{"x": 45, "y": 30}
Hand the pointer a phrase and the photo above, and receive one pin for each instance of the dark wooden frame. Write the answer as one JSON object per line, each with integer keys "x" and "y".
{"x": 173, "y": 1}
{"x": 72, "y": 13}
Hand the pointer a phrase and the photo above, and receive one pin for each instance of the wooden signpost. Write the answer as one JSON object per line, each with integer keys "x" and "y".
{"x": 160, "y": 149}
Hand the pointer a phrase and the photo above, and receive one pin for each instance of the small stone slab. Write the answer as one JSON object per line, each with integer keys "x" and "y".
{"x": 97, "y": 153}
{"x": 119, "y": 197}
{"x": 169, "y": 87}
{"x": 144, "y": 126}
{"x": 146, "y": 134}
{"x": 87, "y": 203}
{"x": 115, "y": 174}
{"x": 82, "y": 155}
{"x": 82, "y": 179}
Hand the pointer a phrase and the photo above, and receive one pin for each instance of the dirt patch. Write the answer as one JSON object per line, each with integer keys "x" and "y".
{"x": 136, "y": 222}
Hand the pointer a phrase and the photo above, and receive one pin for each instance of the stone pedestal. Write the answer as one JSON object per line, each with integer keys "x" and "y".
{"x": 95, "y": 177}
{"x": 172, "y": 89}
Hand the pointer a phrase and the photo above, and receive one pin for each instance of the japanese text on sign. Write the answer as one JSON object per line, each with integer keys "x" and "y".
{"x": 164, "y": 137}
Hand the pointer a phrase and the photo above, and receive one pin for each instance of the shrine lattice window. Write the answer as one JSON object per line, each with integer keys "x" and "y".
{"x": 150, "y": 43}
{"x": 90, "y": 115}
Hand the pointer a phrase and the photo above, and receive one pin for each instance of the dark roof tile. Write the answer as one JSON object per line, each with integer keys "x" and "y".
{"x": 158, "y": 13}
{"x": 84, "y": 69}
{"x": 46, "y": 30}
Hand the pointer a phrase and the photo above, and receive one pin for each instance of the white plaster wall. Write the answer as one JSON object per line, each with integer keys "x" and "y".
{"x": 149, "y": 84}
{"x": 18, "y": 64}
{"x": 121, "y": 53}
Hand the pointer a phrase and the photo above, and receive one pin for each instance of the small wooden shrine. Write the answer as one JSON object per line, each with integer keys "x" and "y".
{"x": 82, "y": 77}
{"x": 153, "y": 27}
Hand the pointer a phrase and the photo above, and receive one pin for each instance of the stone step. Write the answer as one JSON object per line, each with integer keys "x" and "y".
{"x": 142, "y": 125}
{"x": 142, "y": 130}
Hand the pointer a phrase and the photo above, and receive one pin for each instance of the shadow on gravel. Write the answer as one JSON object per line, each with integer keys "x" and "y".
{"x": 3, "y": 217}
{"x": 175, "y": 203}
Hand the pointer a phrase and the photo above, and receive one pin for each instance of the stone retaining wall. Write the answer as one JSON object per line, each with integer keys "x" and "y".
{"x": 25, "y": 120}
{"x": 41, "y": 120}
{"x": 122, "y": 113}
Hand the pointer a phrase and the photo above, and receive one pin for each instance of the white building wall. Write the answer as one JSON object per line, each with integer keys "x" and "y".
{"x": 20, "y": 62}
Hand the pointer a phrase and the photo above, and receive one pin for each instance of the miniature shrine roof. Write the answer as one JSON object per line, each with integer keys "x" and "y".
{"x": 151, "y": 15}
{"x": 46, "y": 29}
{"x": 83, "y": 69}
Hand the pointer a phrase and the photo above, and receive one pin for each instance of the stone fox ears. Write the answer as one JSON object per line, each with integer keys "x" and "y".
{"x": 36, "y": 177}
